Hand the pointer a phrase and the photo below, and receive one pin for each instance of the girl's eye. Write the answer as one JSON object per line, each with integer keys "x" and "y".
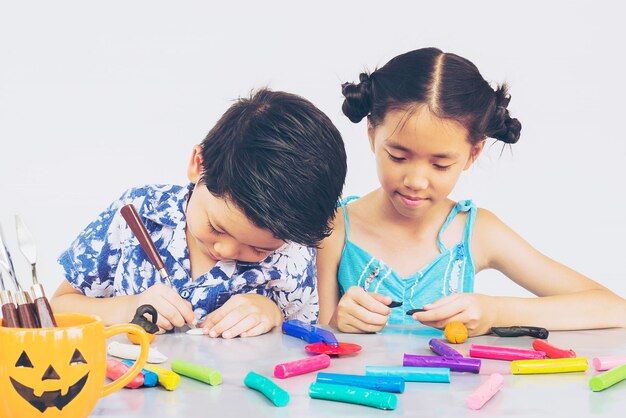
{"x": 394, "y": 158}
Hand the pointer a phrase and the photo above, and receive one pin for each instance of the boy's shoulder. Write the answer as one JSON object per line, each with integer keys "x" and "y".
{"x": 163, "y": 203}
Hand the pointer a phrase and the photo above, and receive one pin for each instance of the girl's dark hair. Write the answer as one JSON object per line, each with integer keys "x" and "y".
{"x": 281, "y": 161}
{"x": 451, "y": 86}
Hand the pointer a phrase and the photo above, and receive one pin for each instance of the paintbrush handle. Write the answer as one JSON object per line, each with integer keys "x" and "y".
{"x": 10, "y": 319}
{"x": 42, "y": 308}
{"x": 27, "y": 316}
{"x": 139, "y": 229}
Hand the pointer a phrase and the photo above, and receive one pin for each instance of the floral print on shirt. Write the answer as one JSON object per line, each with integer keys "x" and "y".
{"x": 106, "y": 260}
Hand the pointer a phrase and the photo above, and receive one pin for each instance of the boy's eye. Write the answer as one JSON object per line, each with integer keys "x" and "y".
{"x": 259, "y": 252}
{"x": 442, "y": 167}
{"x": 213, "y": 230}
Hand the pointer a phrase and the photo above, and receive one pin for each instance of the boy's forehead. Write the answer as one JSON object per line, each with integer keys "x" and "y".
{"x": 232, "y": 220}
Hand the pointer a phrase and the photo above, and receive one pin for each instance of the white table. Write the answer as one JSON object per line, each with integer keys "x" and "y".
{"x": 565, "y": 394}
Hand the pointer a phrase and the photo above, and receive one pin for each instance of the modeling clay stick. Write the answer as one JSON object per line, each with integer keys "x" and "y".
{"x": 485, "y": 391}
{"x": 351, "y": 394}
{"x": 305, "y": 365}
{"x": 552, "y": 351}
{"x": 411, "y": 374}
{"x": 167, "y": 378}
{"x": 150, "y": 379}
{"x": 197, "y": 371}
{"x": 606, "y": 363}
{"x": 271, "y": 390}
{"x": 442, "y": 349}
{"x": 504, "y": 353}
{"x": 394, "y": 304}
{"x": 519, "y": 331}
{"x": 116, "y": 369}
{"x": 608, "y": 379}
{"x": 455, "y": 364}
{"x": 557, "y": 365}
{"x": 412, "y": 311}
{"x": 381, "y": 383}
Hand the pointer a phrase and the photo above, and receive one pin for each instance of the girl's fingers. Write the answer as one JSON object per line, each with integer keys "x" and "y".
{"x": 441, "y": 313}
{"x": 369, "y": 301}
{"x": 442, "y": 301}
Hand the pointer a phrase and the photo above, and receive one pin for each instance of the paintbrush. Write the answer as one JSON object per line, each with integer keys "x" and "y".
{"x": 26, "y": 244}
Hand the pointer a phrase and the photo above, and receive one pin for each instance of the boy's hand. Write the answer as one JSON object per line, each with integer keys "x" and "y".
{"x": 360, "y": 311}
{"x": 173, "y": 310}
{"x": 477, "y": 312}
{"x": 245, "y": 315}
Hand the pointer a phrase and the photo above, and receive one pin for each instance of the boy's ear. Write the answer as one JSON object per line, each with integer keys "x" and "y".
{"x": 195, "y": 168}
{"x": 370, "y": 133}
{"x": 474, "y": 153}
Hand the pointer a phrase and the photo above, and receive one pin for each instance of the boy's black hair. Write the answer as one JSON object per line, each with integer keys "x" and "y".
{"x": 281, "y": 161}
{"x": 451, "y": 86}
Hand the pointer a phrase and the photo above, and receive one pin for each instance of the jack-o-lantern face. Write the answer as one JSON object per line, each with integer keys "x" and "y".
{"x": 59, "y": 397}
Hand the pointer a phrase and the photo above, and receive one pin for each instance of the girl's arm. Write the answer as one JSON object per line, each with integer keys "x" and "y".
{"x": 567, "y": 299}
{"x": 328, "y": 258}
{"x": 358, "y": 310}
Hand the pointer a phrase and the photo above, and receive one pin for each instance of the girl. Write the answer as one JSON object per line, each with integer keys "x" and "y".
{"x": 428, "y": 116}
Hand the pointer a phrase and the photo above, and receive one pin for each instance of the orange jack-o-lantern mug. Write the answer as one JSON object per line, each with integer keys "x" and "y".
{"x": 60, "y": 372}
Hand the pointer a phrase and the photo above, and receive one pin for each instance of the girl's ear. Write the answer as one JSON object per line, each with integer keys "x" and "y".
{"x": 370, "y": 133}
{"x": 195, "y": 168}
{"x": 474, "y": 153}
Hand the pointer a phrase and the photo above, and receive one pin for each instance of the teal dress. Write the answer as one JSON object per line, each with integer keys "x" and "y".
{"x": 452, "y": 271}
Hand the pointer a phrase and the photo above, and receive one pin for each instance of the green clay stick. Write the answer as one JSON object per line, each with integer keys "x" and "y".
{"x": 607, "y": 379}
{"x": 197, "y": 371}
{"x": 351, "y": 394}
{"x": 271, "y": 390}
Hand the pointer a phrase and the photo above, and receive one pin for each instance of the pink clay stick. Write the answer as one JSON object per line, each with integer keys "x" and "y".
{"x": 504, "y": 353}
{"x": 606, "y": 363}
{"x": 484, "y": 392}
{"x": 305, "y": 365}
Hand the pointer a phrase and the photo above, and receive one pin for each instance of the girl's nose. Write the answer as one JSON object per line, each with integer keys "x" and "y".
{"x": 415, "y": 179}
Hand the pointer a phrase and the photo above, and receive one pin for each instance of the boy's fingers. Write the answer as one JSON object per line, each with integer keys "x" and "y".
{"x": 181, "y": 305}
{"x": 243, "y": 325}
{"x": 226, "y": 322}
{"x": 258, "y": 329}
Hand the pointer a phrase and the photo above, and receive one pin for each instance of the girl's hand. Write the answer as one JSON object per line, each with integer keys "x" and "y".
{"x": 477, "y": 312}
{"x": 360, "y": 311}
{"x": 245, "y": 315}
{"x": 173, "y": 310}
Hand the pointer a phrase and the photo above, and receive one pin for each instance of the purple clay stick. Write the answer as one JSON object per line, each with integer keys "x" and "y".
{"x": 442, "y": 349}
{"x": 455, "y": 364}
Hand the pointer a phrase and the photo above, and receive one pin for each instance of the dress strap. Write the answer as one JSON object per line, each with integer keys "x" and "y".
{"x": 461, "y": 206}
{"x": 343, "y": 203}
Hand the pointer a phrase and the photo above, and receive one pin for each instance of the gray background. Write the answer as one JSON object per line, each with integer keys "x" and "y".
{"x": 96, "y": 97}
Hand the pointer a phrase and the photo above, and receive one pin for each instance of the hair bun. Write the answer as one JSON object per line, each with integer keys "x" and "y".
{"x": 502, "y": 126}
{"x": 358, "y": 102}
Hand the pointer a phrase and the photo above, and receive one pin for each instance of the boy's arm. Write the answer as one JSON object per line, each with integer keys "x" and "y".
{"x": 172, "y": 309}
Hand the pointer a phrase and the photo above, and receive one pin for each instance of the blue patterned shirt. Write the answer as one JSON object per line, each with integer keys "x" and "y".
{"x": 106, "y": 260}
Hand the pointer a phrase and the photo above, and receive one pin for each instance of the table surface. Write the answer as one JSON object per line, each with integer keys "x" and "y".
{"x": 564, "y": 394}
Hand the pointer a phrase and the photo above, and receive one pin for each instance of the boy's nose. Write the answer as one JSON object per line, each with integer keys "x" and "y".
{"x": 227, "y": 249}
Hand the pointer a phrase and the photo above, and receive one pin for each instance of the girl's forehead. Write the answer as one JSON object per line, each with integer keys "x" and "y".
{"x": 420, "y": 127}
